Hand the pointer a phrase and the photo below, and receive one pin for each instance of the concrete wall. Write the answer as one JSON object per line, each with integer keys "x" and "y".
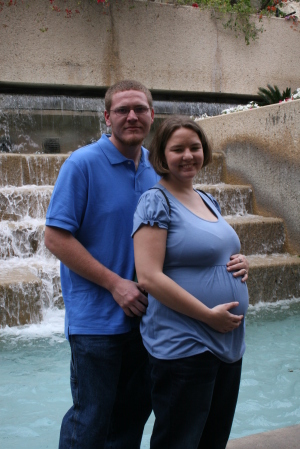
{"x": 166, "y": 47}
{"x": 262, "y": 148}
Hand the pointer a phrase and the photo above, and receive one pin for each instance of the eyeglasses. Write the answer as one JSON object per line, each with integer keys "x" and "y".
{"x": 124, "y": 112}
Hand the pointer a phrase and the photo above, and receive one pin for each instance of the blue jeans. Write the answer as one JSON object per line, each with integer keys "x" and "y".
{"x": 110, "y": 384}
{"x": 194, "y": 400}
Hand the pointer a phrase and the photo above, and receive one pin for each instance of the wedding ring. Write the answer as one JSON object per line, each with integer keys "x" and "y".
{"x": 240, "y": 260}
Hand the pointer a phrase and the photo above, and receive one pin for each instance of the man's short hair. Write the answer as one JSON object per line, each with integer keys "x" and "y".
{"x": 159, "y": 142}
{"x": 124, "y": 85}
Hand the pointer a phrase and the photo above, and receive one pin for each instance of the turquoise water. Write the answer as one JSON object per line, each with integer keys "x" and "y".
{"x": 34, "y": 378}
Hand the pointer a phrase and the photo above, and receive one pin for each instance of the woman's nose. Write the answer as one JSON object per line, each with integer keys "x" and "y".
{"x": 187, "y": 154}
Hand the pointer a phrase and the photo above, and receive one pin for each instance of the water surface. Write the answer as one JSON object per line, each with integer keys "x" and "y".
{"x": 34, "y": 373}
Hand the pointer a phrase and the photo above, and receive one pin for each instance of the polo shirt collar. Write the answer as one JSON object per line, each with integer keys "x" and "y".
{"x": 115, "y": 157}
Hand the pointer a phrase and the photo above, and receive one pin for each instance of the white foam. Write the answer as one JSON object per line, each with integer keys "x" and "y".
{"x": 281, "y": 304}
{"x": 52, "y": 326}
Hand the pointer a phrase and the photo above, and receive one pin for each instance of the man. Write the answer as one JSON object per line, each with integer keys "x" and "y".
{"x": 88, "y": 227}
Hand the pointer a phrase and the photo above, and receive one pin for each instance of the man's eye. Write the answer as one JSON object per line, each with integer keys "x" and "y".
{"x": 122, "y": 111}
{"x": 140, "y": 110}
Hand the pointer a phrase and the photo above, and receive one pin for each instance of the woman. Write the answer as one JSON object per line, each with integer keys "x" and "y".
{"x": 194, "y": 325}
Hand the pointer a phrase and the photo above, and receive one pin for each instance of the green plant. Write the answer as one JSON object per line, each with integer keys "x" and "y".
{"x": 272, "y": 95}
{"x": 237, "y": 15}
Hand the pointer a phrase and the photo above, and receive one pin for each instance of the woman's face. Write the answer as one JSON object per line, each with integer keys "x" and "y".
{"x": 184, "y": 155}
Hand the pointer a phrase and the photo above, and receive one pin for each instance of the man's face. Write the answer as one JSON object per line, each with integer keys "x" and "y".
{"x": 129, "y": 130}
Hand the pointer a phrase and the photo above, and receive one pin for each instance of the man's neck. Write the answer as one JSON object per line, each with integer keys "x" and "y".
{"x": 133, "y": 152}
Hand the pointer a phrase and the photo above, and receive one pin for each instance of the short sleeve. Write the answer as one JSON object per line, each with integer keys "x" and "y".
{"x": 68, "y": 200}
{"x": 152, "y": 209}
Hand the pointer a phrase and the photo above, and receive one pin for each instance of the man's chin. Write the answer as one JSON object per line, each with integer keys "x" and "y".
{"x": 133, "y": 140}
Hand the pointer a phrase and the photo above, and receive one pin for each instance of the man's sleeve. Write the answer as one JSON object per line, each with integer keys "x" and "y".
{"x": 68, "y": 201}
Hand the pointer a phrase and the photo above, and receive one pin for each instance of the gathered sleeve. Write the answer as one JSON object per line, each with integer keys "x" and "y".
{"x": 152, "y": 209}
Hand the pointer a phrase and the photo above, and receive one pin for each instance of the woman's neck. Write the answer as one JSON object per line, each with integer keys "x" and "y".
{"x": 176, "y": 188}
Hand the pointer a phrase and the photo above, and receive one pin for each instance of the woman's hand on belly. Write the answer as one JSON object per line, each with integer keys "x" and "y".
{"x": 221, "y": 320}
{"x": 240, "y": 265}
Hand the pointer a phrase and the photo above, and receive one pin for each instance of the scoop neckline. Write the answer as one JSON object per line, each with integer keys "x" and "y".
{"x": 191, "y": 212}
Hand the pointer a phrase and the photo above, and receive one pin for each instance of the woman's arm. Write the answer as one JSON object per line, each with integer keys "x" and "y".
{"x": 149, "y": 250}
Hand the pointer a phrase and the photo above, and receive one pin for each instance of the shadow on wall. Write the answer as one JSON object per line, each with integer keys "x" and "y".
{"x": 262, "y": 148}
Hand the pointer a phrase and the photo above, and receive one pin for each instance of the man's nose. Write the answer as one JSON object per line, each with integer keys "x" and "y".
{"x": 132, "y": 115}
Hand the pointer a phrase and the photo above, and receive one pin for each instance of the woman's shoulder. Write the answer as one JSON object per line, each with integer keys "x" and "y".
{"x": 152, "y": 208}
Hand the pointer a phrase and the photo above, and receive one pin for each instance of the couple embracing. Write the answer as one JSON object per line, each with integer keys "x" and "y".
{"x": 173, "y": 341}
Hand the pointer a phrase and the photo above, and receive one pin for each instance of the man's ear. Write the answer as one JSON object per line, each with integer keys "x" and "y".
{"x": 107, "y": 118}
{"x": 152, "y": 116}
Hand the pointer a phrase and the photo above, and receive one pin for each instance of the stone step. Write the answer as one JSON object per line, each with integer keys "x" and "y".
{"x": 273, "y": 278}
{"x": 42, "y": 169}
{"x": 26, "y": 287}
{"x": 20, "y": 292}
{"x": 22, "y": 239}
{"x": 32, "y": 201}
{"x": 38, "y": 169}
{"x": 233, "y": 200}
{"x": 214, "y": 172}
{"x": 258, "y": 235}
{"x": 27, "y": 201}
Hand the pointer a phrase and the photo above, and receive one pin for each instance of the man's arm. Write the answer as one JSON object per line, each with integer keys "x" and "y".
{"x": 72, "y": 253}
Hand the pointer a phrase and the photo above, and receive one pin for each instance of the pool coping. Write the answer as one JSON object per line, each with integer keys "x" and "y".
{"x": 288, "y": 437}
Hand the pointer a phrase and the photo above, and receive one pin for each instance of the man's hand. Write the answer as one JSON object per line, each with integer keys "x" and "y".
{"x": 127, "y": 294}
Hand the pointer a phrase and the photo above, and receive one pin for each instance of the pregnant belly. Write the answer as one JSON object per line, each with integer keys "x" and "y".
{"x": 212, "y": 286}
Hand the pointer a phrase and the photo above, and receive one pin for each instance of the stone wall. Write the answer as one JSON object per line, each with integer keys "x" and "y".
{"x": 168, "y": 48}
{"x": 262, "y": 148}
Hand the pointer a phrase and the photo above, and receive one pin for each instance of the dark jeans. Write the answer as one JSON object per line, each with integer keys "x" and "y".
{"x": 110, "y": 385}
{"x": 194, "y": 401}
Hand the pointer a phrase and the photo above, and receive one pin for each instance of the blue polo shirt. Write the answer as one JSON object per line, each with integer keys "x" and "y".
{"x": 94, "y": 198}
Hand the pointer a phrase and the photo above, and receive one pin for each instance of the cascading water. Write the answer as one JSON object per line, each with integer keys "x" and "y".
{"x": 44, "y": 124}
{"x": 33, "y": 129}
{"x": 34, "y": 357}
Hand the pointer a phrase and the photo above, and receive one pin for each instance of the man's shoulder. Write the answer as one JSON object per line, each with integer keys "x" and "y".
{"x": 89, "y": 155}
{"x": 86, "y": 151}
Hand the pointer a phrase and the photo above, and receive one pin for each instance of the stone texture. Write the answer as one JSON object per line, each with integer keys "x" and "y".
{"x": 258, "y": 235}
{"x": 272, "y": 278}
{"x": 22, "y": 239}
{"x": 286, "y": 438}
{"x": 16, "y": 203}
{"x": 20, "y": 301}
{"x": 178, "y": 49}
{"x": 33, "y": 169}
{"x": 213, "y": 173}
{"x": 232, "y": 199}
{"x": 262, "y": 148}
